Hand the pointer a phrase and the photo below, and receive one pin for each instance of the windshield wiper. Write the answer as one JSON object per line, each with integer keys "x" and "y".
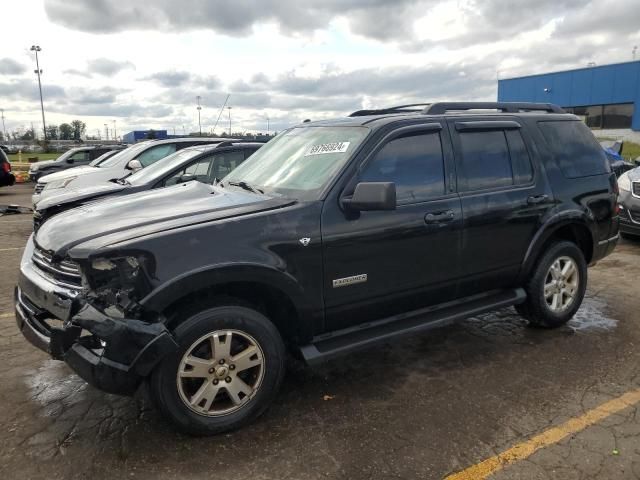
{"x": 246, "y": 186}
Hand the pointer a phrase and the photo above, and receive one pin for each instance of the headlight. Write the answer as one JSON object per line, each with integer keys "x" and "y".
{"x": 33, "y": 168}
{"x": 59, "y": 183}
{"x": 118, "y": 281}
{"x": 624, "y": 183}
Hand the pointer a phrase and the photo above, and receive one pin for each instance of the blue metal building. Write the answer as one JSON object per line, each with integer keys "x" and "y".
{"x": 607, "y": 97}
{"x": 138, "y": 135}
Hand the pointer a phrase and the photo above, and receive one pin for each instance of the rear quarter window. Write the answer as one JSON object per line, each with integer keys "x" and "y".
{"x": 574, "y": 148}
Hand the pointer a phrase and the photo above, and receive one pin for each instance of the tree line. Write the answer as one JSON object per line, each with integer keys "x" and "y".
{"x": 65, "y": 131}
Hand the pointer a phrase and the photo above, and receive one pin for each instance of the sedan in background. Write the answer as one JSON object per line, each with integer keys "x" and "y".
{"x": 629, "y": 203}
{"x": 203, "y": 163}
{"x": 74, "y": 157}
{"x": 134, "y": 158}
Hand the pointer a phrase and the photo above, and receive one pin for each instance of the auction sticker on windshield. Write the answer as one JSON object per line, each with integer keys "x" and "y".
{"x": 335, "y": 147}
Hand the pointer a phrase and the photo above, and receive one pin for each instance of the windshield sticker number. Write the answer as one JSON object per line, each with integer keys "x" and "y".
{"x": 335, "y": 147}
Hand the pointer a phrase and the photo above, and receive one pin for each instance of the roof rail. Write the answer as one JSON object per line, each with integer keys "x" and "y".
{"x": 396, "y": 109}
{"x": 440, "y": 108}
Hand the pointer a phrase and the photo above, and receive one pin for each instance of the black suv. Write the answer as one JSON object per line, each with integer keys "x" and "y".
{"x": 71, "y": 158}
{"x": 335, "y": 235}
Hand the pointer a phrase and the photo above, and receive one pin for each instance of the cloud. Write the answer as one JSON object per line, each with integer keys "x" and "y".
{"x": 239, "y": 17}
{"x": 9, "y": 66}
{"x": 170, "y": 78}
{"x": 27, "y": 91}
{"x": 107, "y": 67}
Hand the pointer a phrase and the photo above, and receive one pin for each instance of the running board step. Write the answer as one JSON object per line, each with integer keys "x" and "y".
{"x": 345, "y": 341}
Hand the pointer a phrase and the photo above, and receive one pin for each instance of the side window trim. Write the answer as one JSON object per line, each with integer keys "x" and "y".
{"x": 487, "y": 125}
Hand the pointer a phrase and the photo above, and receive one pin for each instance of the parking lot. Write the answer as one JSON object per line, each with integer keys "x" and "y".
{"x": 424, "y": 407}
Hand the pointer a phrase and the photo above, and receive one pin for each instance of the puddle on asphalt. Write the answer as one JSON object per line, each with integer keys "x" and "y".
{"x": 54, "y": 386}
{"x": 591, "y": 316}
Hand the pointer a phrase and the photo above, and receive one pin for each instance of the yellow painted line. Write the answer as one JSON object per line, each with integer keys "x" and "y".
{"x": 6, "y": 315}
{"x": 12, "y": 248}
{"x": 524, "y": 450}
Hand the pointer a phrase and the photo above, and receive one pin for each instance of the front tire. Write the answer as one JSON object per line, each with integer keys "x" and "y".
{"x": 225, "y": 374}
{"x": 557, "y": 286}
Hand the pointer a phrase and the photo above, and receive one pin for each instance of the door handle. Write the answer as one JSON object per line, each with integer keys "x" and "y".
{"x": 537, "y": 199}
{"x": 439, "y": 217}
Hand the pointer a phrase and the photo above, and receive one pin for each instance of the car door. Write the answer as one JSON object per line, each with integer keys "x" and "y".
{"x": 381, "y": 263}
{"x": 504, "y": 195}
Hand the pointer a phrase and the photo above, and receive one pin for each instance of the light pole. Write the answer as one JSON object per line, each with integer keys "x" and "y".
{"x": 36, "y": 48}
{"x": 229, "y": 108}
{"x": 199, "y": 108}
{"x": 106, "y": 131}
{"x": 4, "y": 129}
{"x": 115, "y": 135}
{"x": 633, "y": 52}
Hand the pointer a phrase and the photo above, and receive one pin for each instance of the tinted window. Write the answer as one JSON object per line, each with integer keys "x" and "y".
{"x": 485, "y": 159}
{"x": 156, "y": 153}
{"x": 574, "y": 148}
{"x": 414, "y": 163}
{"x": 520, "y": 161}
{"x": 618, "y": 116}
{"x": 80, "y": 157}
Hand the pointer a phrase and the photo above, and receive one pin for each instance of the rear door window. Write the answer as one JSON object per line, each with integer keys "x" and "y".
{"x": 493, "y": 159}
{"x": 574, "y": 148}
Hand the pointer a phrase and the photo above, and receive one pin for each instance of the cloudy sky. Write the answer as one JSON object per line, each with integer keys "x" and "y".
{"x": 142, "y": 63}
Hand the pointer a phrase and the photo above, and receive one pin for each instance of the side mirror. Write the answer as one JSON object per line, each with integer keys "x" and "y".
{"x": 372, "y": 196}
{"x": 134, "y": 165}
{"x": 187, "y": 177}
{"x": 70, "y": 160}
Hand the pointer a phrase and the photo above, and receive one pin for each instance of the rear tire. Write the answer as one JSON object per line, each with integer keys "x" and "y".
{"x": 225, "y": 374}
{"x": 556, "y": 287}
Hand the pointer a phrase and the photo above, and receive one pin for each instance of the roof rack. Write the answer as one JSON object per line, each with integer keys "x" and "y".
{"x": 396, "y": 109}
{"x": 440, "y": 108}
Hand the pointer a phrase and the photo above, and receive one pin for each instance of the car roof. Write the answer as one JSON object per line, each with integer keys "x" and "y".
{"x": 212, "y": 146}
{"x": 443, "y": 109}
{"x": 189, "y": 139}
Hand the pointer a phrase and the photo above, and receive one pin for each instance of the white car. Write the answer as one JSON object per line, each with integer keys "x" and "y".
{"x": 123, "y": 163}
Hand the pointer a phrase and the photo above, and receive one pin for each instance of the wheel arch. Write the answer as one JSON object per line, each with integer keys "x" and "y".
{"x": 570, "y": 226}
{"x": 266, "y": 289}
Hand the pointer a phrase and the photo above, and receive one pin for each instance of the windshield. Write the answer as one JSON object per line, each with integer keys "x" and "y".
{"x": 126, "y": 154}
{"x": 298, "y": 163}
{"x": 66, "y": 155}
{"x": 103, "y": 157}
{"x": 162, "y": 167}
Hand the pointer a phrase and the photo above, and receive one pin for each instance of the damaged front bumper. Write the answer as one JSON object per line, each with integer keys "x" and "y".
{"x": 112, "y": 354}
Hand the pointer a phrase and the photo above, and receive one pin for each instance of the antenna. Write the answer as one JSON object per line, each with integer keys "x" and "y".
{"x": 221, "y": 110}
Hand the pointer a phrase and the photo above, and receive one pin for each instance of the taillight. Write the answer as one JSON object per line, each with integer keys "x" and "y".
{"x": 6, "y": 166}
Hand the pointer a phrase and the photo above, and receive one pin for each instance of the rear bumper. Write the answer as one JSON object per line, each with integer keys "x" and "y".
{"x": 7, "y": 180}
{"x": 112, "y": 354}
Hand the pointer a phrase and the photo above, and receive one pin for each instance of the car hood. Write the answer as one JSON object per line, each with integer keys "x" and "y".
{"x": 97, "y": 175}
{"x": 41, "y": 164}
{"x": 69, "y": 172}
{"x": 63, "y": 196}
{"x": 131, "y": 216}
{"x": 634, "y": 175}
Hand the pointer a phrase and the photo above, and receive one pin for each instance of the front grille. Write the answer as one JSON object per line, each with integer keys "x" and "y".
{"x": 39, "y": 187}
{"x": 635, "y": 215}
{"x": 635, "y": 187}
{"x": 64, "y": 273}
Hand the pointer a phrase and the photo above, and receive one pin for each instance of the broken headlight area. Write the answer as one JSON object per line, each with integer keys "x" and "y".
{"x": 116, "y": 284}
